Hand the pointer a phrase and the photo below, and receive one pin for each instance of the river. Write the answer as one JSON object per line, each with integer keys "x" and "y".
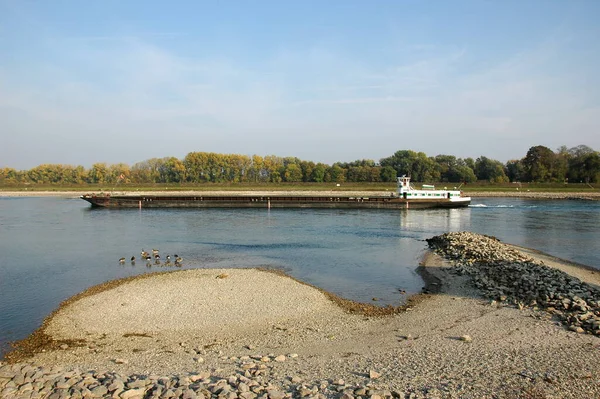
{"x": 53, "y": 248}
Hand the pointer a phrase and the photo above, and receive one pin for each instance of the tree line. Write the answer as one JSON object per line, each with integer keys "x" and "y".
{"x": 540, "y": 164}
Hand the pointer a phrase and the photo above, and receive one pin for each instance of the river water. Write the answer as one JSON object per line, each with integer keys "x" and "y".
{"x": 53, "y": 248}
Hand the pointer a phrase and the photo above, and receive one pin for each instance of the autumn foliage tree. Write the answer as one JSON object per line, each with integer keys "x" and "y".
{"x": 540, "y": 164}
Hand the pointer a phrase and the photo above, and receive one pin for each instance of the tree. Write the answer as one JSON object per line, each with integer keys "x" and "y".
{"x": 118, "y": 173}
{"x": 196, "y": 164}
{"x": 580, "y": 150}
{"x": 318, "y": 173}
{"x": 98, "y": 174}
{"x": 454, "y": 169}
{"x": 410, "y": 163}
{"x": 388, "y": 174}
{"x": 293, "y": 173}
{"x": 490, "y": 170}
{"x": 307, "y": 168}
{"x": 538, "y": 164}
{"x": 335, "y": 174}
{"x": 585, "y": 168}
{"x": 272, "y": 168}
{"x": 515, "y": 170}
{"x": 8, "y": 175}
{"x": 257, "y": 173}
{"x": 172, "y": 170}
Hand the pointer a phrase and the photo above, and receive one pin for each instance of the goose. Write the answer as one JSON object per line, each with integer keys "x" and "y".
{"x": 144, "y": 254}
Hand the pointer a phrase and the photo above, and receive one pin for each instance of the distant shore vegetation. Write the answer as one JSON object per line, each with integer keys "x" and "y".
{"x": 579, "y": 164}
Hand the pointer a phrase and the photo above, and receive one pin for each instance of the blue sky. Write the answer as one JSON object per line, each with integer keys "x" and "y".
{"x": 124, "y": 81}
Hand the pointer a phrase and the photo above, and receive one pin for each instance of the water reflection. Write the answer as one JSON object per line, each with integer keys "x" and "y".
{"x": 426, "y": 220}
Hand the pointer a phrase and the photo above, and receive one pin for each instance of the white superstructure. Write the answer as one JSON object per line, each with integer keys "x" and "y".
{"x": 407, "y": 191}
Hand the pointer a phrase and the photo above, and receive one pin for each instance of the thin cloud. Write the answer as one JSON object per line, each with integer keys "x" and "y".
{"x": 126, "y": 37}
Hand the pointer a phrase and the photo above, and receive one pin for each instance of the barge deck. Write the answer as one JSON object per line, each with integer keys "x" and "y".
{"x": 406, "y": 197}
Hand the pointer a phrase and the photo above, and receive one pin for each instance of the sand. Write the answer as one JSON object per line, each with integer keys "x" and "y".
{"x": 207, "y": 320}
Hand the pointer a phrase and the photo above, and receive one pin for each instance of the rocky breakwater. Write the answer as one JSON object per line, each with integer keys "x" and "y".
{"x": 505, "y": 274}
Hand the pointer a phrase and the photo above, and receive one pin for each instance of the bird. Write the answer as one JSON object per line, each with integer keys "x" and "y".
{"x": 144, "y": 254}
{"x": 122, "y": 260}
{"x": 178, "y": 261}
{"x": 154, "y": 251}
{"x": 133, "y": 259}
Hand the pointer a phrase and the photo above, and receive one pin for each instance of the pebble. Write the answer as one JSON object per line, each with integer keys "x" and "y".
{"x": 466, "y": 338}
{"x": 26, "y": 380}
{"x": 374, "y": 374}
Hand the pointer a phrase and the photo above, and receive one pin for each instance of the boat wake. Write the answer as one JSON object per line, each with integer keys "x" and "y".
{"x": 490, "y": 206}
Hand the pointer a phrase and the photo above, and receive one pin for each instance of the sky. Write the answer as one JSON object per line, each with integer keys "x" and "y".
{"x": 326, "y": 81}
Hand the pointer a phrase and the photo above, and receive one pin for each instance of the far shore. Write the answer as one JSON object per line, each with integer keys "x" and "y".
{"x": 595, "y": 195}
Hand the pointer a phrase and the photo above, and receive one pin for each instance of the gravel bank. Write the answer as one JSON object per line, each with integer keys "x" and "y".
{"x": 251, "y": 334}
{"x": 506, "y": 274}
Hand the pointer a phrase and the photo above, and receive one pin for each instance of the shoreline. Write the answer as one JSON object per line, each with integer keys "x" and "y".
{"x": 316, "y": 346}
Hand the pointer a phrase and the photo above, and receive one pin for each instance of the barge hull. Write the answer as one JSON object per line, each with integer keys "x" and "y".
{"x": 272, "y": 202}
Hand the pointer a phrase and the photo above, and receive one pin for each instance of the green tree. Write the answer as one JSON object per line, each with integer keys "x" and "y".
{"x": 293, "y": 173}
{"x": 414, "y": 164}
{"x": 585, "y": 168}
{"x": 538, "y": 164}
{"x": 515, "y": 170}
{"x": 335, "y": 174}
{"x": 318, "y": 173}
{"x": 490, "y": 170}
{"x": 454, "y": 169}
{"x": 388, "y": 174}
{"x": 307, "y": 170}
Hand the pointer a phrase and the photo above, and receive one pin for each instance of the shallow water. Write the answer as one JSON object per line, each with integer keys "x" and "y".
{"x": 53, "y": 248}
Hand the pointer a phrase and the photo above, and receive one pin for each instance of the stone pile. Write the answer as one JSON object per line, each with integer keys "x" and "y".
{"x": 505, "y": 274}
{"x": 251, "y": 381}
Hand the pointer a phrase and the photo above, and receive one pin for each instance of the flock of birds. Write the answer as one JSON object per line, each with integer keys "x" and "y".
{"x": 155, "y": 259}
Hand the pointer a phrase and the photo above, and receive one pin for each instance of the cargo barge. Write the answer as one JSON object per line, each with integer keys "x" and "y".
{"x": 406, "y": 197}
